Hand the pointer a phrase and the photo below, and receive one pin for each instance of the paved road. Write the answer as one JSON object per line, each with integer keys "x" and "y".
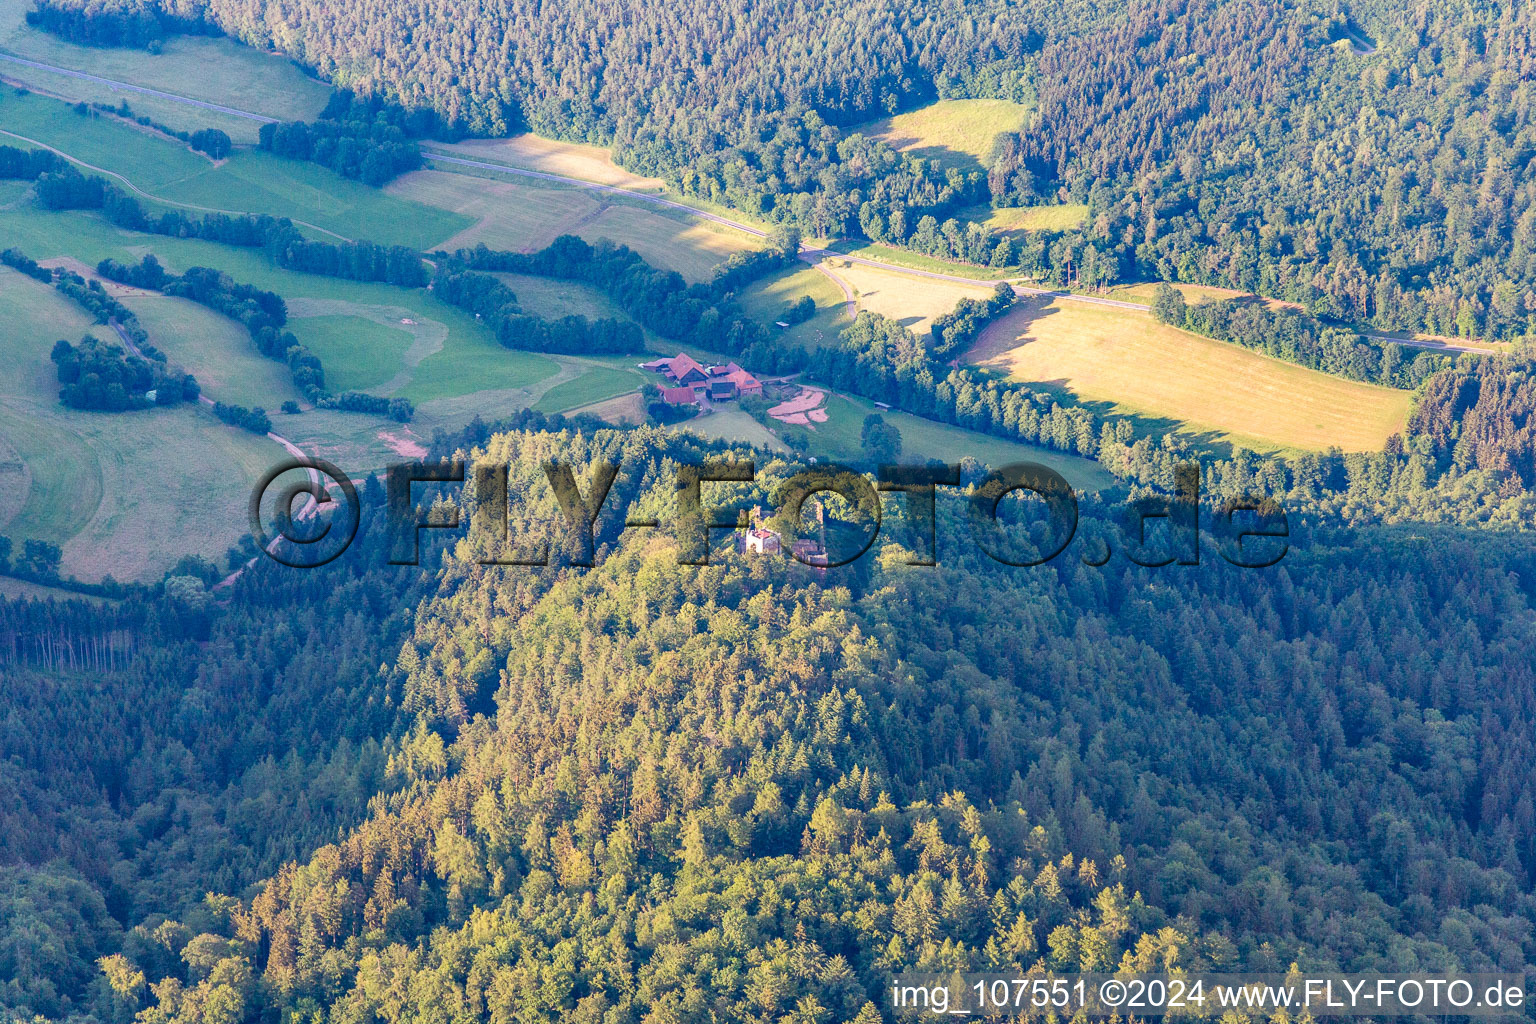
{"x": 808, "y": 253}
{"x": 849, "y": 300}
{"x": 173, "y": 97}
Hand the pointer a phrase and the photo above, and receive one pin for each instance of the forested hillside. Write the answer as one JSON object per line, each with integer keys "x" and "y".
{"x": 749, "y": 791}
{"x": 648, "y": 791}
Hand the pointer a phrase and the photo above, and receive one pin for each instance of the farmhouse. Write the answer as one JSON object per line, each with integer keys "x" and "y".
{"x": 737, "y": 381}
{"x": 720, "y": 383}
{"x": 681, "y": 369}
{"x": 678, "y": 396}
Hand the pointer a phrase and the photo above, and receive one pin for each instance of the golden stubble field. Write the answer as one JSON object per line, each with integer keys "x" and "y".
{"x": 1126, "y": 360}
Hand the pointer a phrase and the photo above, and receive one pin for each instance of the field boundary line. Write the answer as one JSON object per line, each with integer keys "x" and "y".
{"x": 142, "y": 89}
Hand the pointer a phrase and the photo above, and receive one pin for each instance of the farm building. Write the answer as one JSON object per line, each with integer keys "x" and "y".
{"x": 681, "y": 369}
{"x": 740, "y": 380}
{"x": 721, "y": 383}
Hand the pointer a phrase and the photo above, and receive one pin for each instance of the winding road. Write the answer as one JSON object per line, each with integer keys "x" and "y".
{"x": 809, "y": 254}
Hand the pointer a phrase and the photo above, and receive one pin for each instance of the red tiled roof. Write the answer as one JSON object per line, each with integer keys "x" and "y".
{"x": 741, "y": 378}
{"x": 680, "y": 365}
{"x": 677, "y": 396}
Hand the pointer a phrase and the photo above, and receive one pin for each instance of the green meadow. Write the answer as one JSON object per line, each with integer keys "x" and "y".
{"x": 215, "y": 70}
{"x": 457, "y": 357}
{"x": 768, "y": 300}
{"x": 957, "y": 133}
{"x": 595, "y": 383}
{"x": 126, "y": 494}
{"x": 249, "y": 181}
{"x": 923, "y": 439}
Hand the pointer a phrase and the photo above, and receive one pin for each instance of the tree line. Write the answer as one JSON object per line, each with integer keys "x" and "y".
{"x": 368, "y": 139}
{"x": 659, "y": 300}
{"x": 264, "y": 315}
{"x": 98, "y": 23}
{"x": 1289, "y": 335}
{"x": 99, "y": 375}
{"x": 953, "y": 332}
{"x": 495, "y": 304}
{"x": 59, "y": 186}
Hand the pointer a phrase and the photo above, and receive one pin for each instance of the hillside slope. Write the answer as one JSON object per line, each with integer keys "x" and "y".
{"x": 647, "y": 791}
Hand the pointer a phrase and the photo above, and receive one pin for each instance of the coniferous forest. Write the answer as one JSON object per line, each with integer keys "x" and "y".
{"x": 750, "y": 791}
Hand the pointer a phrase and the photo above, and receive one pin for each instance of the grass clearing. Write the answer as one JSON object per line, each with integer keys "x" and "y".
{"x": 465, "y": 359}
{"x": 256, "y": 182}
{"x": 957, "y": 133}
{"x": 151, "y": 161}
{"x": 572, "y": 159}
{"x": 1125, "y": 361}
{"x": 727, "y": 424}
{"x": 768, "y": 300}
{"x": 913, "y": 301}
{"x": 525, "y": 215}
{"x": 595, "y": 384}
{"x": 1015, "y": 221}
{"x": 476, "y": 366}
{"x": 214, "y": 349}
{"x": 552, "y": 299}
{"x": 125, "y": 494}
{"x": 225, "y": 72}
{"x": 1146, "y": 291}
{"x": 502, "y": 214}
{"x": 626, "y": 410}
{"x": 358, "y": 444}
{"x": 359, "y": 353}
{"x": 915, "y": 261}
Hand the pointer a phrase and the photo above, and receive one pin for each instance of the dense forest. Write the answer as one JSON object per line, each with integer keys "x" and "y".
{"x": 747, "y": 791}
{"x": 366, "y": 139}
